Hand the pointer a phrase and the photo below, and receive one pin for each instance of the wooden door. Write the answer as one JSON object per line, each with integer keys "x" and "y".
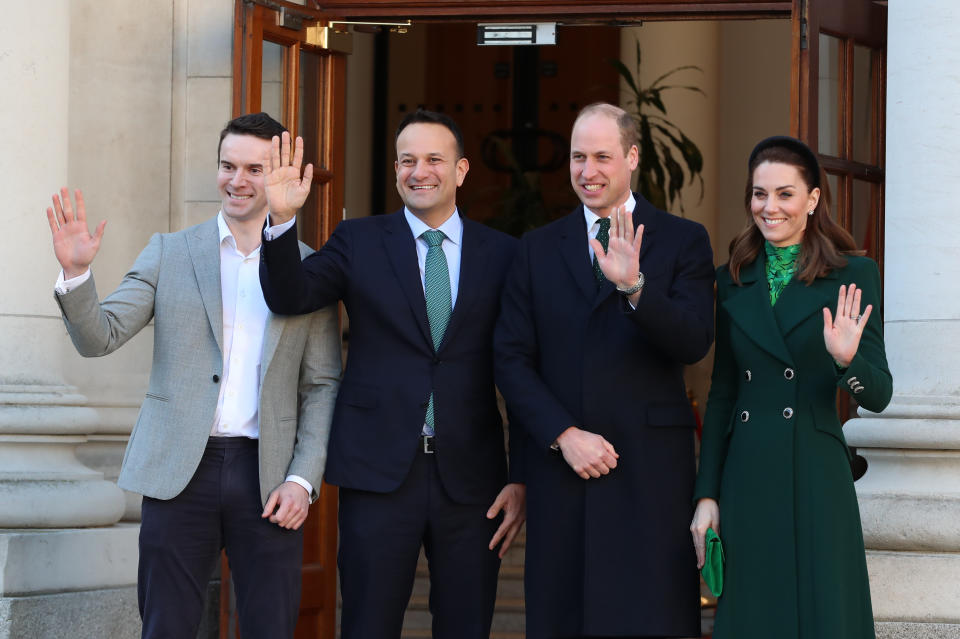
{"x": 839, "y": 95}
{"x": 278, "y": 70}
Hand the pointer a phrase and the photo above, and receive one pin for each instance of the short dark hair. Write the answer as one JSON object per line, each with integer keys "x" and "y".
{"x": 259, "y": 125}
{"x": 422, "y": 116}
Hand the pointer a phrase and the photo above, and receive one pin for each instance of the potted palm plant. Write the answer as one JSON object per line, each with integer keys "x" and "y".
{"x": 669, "y": 160}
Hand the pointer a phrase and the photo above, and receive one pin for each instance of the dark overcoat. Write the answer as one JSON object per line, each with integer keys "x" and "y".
{"x": 609, "y": 556}
{"x": 775, "y": 458}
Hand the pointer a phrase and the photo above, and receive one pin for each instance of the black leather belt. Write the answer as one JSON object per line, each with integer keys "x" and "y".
{"x": 427, "y": 443}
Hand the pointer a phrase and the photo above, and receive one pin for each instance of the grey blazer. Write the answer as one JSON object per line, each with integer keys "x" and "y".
{"x": 176, "y": 282}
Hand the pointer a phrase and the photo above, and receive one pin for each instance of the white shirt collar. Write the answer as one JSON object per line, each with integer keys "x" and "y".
{"x": 227, "y": 235}
{"x": 592, "y": 217}
{"x": 452, "y": 228}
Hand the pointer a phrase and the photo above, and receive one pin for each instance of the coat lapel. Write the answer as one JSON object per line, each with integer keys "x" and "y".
{"x": 573, "y": 248}
{"x": 798, "y": 301}
{"x": 473, "y": 260}
{"x": 750, "y": 309}
{"x": 401, "y": 249}
{"x": 204, "y": 247}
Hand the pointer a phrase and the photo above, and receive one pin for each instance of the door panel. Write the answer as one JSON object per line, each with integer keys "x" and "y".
{"x": 277, "y": 70}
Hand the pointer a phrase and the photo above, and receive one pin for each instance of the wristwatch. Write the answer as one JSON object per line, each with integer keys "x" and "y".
{"x": 633, "y": 289}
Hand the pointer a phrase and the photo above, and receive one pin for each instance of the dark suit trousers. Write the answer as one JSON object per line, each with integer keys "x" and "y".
{"x": 380, "y": 539}
{"x": 181, "y": 540}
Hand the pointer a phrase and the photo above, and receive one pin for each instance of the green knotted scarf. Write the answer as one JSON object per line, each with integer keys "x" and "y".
{"x": 781, "y": 264}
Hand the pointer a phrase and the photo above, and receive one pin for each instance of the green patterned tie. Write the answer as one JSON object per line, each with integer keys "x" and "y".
{"x": 436, "y": 285}
{"x": 603, "y": 236}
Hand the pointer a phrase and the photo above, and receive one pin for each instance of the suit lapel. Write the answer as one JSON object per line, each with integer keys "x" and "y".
{"x": 750, "y": 309}
{"x": 271, "y": 337}
{"x": 573, "y": 248}
{"x": 204, "y": 247}
{"x": 401, "y": 250}
{"x": 646, "y": 214}
{"x": 473, "y": 260}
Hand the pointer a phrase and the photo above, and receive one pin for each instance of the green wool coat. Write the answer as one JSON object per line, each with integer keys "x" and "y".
{"x": 775, "y": 459}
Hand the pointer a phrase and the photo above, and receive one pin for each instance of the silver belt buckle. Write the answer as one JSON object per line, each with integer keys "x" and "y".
{"x": 427, "y": 444}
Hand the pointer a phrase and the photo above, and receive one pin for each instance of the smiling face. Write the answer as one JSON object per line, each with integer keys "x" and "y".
{"x": 429, "y": 170}
{"x": 600, "y": 170}
{"x": 780, "y": 202}
{"x": 240, "y": 177}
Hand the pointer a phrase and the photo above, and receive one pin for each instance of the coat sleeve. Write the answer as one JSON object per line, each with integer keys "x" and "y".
{"x": 868, "y": 377}
{"x": 320, "y": 369}
{"x": 99, "y": 328}
{"x": 293, "y": 287}
{"x": 516, "y": 353}
{"x": 720, "y": 402}
{"x": 680, "y": 322}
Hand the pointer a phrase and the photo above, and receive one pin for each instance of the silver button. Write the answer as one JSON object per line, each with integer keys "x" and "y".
{"x": 858, "y": 389}
{"x": 787, "y": 412}
{"x": 788, "y": 373}
{"x": 745, "y": 416}
{"x": 852, "y": 382}
{"x": 748, "y": 374}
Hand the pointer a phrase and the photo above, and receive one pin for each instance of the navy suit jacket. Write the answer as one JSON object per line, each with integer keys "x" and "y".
{"x": 371, "y": 265}
{"x": 608, "y": 556}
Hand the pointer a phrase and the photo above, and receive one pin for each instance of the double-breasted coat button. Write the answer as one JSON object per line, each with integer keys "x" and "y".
{"x": 745, "y": 416}
{"x": 748, "y": 374}
{"x": 858, "y": 389}
{"x": 787, "y": 412}
{"x": 788, "y": 373}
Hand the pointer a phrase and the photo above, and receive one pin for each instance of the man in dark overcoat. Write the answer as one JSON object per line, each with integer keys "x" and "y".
{"x": 589, "y": 356}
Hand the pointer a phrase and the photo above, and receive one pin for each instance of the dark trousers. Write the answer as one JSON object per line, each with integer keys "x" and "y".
{"x": 181, "y": 540}
{"x": 380, "y": 539}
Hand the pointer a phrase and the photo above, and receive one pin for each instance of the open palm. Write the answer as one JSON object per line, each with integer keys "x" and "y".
{"x": 620, "y": 263}
{"x": 286, "y": 190}
{"x": 841, "y": 334}
{"x": 73, "y": 244}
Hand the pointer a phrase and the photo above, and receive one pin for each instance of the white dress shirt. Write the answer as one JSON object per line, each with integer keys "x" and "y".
{"x": 245, "y": 315}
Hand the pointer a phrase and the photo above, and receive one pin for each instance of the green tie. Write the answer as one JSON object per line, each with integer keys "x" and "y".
{"x": 603, "y": 236}
{"x": 436, "y": 287}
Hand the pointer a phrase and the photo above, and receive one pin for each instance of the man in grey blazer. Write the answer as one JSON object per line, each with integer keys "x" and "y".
{"x": 230, "y": 444}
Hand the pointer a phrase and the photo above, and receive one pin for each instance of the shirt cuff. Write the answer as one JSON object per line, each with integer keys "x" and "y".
{"x": 273, "y": 232}
{"x": 302, "y": 482}
{"x": 62, "y": 287}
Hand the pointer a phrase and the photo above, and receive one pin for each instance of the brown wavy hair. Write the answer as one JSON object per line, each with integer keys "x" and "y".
{"x": 825, "y": 243}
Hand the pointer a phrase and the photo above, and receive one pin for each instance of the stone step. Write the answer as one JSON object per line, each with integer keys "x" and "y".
{"x": 508, "y": 616}
{"x": 510, "y": 583}
{"x": 425, "y": 634}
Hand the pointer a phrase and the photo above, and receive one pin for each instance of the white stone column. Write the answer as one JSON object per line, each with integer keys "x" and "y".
{"x": 910, "y": 495}
{"x": 42, "y": 418}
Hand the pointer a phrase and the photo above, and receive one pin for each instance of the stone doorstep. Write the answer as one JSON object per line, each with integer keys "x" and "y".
{"x": 507, "y": 617}
{"x": 906, "y": 630}
{"x": 510, "y": 583}
{"x": 426, "y": 634}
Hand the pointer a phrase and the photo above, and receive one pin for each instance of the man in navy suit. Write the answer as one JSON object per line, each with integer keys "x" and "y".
{"x": 590, "y": 356}
{"x": 416, "y": 444}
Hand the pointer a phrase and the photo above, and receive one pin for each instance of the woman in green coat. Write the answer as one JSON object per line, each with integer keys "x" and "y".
{"x": 796, "y": 319}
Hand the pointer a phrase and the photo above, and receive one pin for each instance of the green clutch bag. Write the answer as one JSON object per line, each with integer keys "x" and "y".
{"x": 712, "y": 570}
